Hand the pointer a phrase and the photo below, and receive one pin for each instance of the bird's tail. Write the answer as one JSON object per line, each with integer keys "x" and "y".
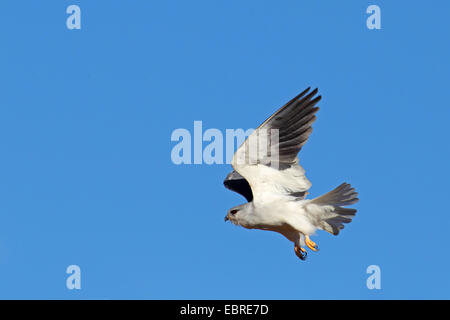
{"x": 329, "y": 208}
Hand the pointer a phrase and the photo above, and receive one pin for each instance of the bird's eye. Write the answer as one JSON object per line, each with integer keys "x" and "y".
{"x": 233, "y": 211}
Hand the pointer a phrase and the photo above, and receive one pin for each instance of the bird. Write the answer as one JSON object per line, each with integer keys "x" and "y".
{"x": 267, "y": 172}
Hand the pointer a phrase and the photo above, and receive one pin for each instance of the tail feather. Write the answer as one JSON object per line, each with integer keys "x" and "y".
{"x": 344, "y": 195}
{"x": 333, "y": 220}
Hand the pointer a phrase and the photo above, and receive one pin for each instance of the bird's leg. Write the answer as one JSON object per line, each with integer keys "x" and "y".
{"x": 311, "y": 244}
{"x": 300, "y": 252}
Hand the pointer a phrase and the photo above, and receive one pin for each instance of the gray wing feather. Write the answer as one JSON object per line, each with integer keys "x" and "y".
{"x": 293, "y": 121}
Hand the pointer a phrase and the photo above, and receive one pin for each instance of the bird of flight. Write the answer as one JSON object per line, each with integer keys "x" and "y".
{"x": 267, "y": 173}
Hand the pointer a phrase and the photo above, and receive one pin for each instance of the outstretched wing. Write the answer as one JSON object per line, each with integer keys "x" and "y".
{"x": 268, "y": 158}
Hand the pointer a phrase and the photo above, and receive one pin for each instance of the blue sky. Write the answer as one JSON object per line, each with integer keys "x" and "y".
{"x": 86, "y": 117}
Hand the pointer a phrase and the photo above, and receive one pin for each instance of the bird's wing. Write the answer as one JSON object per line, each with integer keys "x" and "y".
{"x": 237, "y": 183}
{"x": 268, "y": 158}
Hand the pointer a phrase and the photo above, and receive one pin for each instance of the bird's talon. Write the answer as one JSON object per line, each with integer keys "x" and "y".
{"x": 300, "y": 252}
{"x": 311, "y": 244}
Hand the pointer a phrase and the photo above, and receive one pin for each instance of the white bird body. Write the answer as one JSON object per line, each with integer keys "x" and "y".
{"x": 282, "y": 214}
{"x": 276, "y": 186}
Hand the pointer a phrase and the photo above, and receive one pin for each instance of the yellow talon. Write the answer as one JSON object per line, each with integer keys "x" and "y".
{"x": 311, "y": 244}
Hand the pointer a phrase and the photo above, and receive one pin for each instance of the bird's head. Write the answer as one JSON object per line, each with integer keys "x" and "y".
{"x": 239, "y": 215}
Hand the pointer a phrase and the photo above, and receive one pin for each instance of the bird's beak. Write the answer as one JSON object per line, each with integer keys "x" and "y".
{"x": 226, "y": 218}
